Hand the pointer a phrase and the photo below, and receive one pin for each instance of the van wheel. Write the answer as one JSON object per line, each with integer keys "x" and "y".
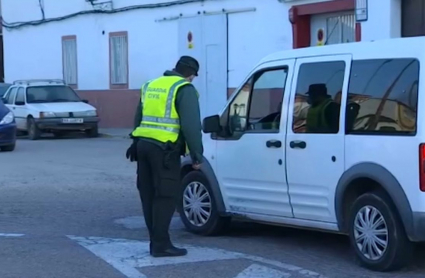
{"x": 33, "y": 131}
{"x": 197, "y": 207}
{"x": 377, "y": 233}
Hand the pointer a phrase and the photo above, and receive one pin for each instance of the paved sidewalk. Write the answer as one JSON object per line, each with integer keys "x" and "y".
{"x": 115, "y": 132}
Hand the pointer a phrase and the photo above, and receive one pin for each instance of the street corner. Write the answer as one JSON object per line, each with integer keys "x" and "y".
{"x": 132, "y": 259}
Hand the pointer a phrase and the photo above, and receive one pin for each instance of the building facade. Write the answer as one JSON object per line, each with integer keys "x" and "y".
{"x": 106, "y": 49}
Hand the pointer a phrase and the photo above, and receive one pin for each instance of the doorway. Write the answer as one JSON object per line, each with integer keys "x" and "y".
{"x": 412, "y": 18}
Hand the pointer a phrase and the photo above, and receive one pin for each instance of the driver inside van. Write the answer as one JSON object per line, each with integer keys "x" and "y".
{"x": 323, "y": 113}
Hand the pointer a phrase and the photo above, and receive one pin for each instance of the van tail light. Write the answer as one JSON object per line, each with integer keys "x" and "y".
{"x": 422, "y": 167}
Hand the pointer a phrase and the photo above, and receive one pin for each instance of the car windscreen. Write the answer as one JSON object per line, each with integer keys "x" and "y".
{"x": 48, "y": 94}
{"x": 3, "y": 90}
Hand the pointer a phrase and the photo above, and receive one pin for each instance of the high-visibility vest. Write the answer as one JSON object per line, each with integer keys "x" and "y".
{"x": 316, "y": 120}
{"x": 160, "y": 120}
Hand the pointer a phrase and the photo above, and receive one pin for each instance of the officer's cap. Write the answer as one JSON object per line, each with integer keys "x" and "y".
{"x": 189, "y": 62}
{"x": 317, "y": 89}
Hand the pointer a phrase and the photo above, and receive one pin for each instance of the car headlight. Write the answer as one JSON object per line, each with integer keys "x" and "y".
{"x": 91, "y": 113}
{"x": 47, "y": 115}
{"x": 9, "y": 118}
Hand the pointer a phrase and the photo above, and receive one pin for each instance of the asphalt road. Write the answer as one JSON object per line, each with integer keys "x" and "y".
{"x": 70, "y": 208}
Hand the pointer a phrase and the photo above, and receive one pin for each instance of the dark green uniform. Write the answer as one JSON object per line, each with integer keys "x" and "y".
{"x": 187, "y": 106}
{"x": 158, "y": 168}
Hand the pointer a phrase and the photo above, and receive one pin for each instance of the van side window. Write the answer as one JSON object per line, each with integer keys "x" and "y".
{"x": 266, "y": 100}
{"x": 238, "y": 109}
{"x": 383, "y": 97}
{"x": 318, "y": 97}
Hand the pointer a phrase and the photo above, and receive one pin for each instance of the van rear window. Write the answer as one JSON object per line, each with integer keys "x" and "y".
{"x": 382, "y": 97}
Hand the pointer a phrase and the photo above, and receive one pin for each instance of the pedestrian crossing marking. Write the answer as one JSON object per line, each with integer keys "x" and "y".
{"x": 128, "y": 256}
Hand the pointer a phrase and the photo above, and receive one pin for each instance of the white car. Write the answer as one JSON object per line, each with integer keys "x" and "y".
{"x": 329, "y": 138}
{"x": 49, "y": 106}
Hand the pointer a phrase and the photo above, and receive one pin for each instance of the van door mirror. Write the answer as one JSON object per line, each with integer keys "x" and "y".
{"x": 211, "y": 124}
{"x": 4, "y": 100}
{"x": 19, "y": 103}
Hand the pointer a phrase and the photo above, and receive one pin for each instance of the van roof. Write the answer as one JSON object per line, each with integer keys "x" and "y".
{"x": 389, "y": 48}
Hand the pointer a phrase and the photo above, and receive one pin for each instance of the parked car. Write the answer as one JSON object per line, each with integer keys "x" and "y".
{"x": 49, "y": 106}
{"x": 7, "y": 129}
{"x": 3, "y": 88}
{"x": 328, "y": 138}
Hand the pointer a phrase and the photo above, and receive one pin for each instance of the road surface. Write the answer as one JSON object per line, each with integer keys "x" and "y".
{"x": 70, "y": 208}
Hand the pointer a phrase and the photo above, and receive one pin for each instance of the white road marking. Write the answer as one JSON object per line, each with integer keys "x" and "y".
{"x": 259, "y": 271}
{"x": 128, "y": 255}
{"x": 138, "y": 222}
{"x": 11, "y": 235}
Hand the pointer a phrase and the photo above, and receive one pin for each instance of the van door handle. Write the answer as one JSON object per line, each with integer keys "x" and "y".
{"x": 274, "y": 144}
{"x": 298, "y": 144}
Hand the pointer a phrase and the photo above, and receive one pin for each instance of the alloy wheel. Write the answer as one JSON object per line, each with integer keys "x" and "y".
{"x": 197, "y": 204}
{"x": 371, "y": 233}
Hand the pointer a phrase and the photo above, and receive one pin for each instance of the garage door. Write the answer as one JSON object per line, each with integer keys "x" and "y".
{"x": 333, "y": 28}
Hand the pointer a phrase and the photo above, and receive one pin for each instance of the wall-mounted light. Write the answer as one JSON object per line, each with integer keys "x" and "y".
{"x": 361, "y": 10}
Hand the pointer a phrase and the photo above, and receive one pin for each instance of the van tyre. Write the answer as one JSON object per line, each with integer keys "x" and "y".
{"x": 34, "y": 132}
{"x": 377, "y": 233}
{"x": 197, "y": 206}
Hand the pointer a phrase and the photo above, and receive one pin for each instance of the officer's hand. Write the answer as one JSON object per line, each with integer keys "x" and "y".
{"x": 196, "y": 166}
{"x": 132, "y": 152}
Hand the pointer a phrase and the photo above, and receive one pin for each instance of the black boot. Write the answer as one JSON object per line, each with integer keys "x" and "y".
{"x": 169, "y": 252}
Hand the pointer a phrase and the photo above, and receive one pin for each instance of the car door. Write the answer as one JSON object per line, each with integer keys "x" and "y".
{"x": 19, "y": 109}
{"x": 251, "y": 154}
{"x": 315, "y": 135}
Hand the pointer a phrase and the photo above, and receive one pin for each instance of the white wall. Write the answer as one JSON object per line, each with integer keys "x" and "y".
{"x": 35, "y": 52}
{"x": 384, "y": 20}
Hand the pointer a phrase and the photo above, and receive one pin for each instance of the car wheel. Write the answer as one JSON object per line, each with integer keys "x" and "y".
{"x": 33, "y": 131}
{"x": 197, "y": 207}
{"x": 93, "y": 132}
{"x": 377, "y": 233}
{"x": 9, "y": 148}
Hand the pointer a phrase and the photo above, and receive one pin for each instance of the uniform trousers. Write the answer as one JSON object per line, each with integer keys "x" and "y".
{"x": 158, "y": 182}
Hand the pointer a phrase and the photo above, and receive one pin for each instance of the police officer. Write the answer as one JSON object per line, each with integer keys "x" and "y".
{"x": 323, "y": 114}
{"x": 167, "y": 122}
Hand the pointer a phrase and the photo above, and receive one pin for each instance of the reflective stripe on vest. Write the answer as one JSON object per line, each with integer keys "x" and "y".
{"x": 160, "y": 120}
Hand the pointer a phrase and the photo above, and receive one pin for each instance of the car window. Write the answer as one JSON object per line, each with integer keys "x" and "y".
{"x": 20, "y": 96}
{"x": 266, "y": 100}
{"x": 238, "y": 109}
{"x": 318, "y": 97}
{"x": 46, "y": 94}
{"x": 382, "y": 97}
{"x": 257, "y": 105}
{"x": 11, "y": 95}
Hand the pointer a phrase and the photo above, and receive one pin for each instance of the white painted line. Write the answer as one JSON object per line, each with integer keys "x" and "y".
{"x": 138, "y": 222}
{"x": 128, "y": 255}
{"x": 11, "y": 235}
{"x": 259, "y": 271}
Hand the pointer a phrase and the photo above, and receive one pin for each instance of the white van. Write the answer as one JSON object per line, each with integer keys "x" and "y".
{"x": 327, "y": 138}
